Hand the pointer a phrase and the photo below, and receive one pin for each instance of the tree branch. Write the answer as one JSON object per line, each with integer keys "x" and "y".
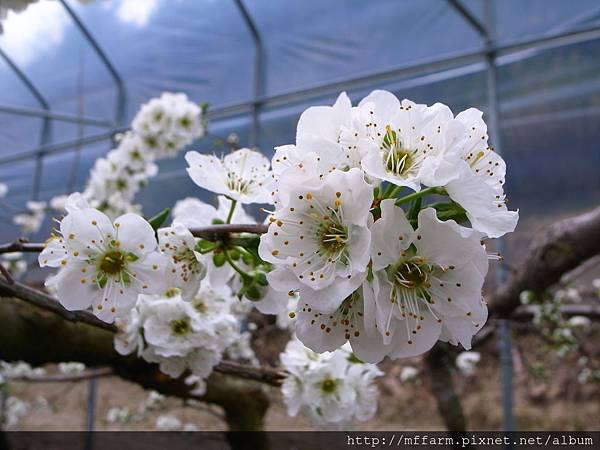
{"x": 46, "y": 302}
{"x": 39, "y": 337}
{"x": 554, "y": 251}
{"x": 216, "y": 232}
{"x": 63, "y": 377}
{"x": 211, "y": 233}
{"x": 21, "y": 245}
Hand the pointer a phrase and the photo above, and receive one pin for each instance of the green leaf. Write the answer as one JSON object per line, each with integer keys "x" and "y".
{"x": 415, "y": 207}
{"x": 450, "y": 211}
{"x": 217, "y": 222}
{"x": 157, "y": 221}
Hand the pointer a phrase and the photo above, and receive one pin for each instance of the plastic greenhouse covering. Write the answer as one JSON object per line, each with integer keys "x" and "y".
{"x": 548, "y": 89}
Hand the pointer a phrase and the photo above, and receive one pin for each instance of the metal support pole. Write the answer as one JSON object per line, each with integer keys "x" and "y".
{"x": 63, "y": 146}
{"x": 487, "y": 32}
{"x": 259, "y": 73}
{"x": 506, "y": 370}
{"x": 121, "y": 94}
{"x": 91, "y": 413}
{"x": 45, "y": 132}
{"x": 55, "y": 115}
{"x": 452, "y": 62}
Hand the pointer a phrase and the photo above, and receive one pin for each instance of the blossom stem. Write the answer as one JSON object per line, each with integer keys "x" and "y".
{"x": 230, "y": 215}
{"x": 208, "y": 249}
{"x": 421, "y": 193}
{"x": 232, "y": 264}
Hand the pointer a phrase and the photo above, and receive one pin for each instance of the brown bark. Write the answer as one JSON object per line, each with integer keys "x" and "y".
{"x": 37, "y": 336}
{"x": 559, "y": 248}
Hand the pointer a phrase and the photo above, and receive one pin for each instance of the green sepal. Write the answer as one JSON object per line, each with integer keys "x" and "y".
{"x": 353, "y": 359}
{"x": 102, "y": 280}
{"x": 204, "y": 246}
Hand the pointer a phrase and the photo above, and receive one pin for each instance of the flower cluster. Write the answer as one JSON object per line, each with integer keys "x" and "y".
{"x": 168, "y": 123}
{"x": 14, "y": 262}
{"x": 467, "y": 362}
{"x": 103, "y": 264}
{"x": 161, "y": 128}
{"x": 332, "y": 388}
{"x": 388, "y": 280}
{"x": 31, "y": 221}
{"x": 177, "y": 334}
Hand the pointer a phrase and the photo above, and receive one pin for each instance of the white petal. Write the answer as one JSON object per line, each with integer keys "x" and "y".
{"x": 208, "y": 172}
{"x": 75, "y": 288}
{"x": 134, "y": 234}
{"x": 87, "y": 230}
{"x": 390, "y": 235}
{"x": 445, "y": 243}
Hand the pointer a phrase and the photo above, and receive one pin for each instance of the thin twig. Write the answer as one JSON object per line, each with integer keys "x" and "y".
{"x": 6, "y": 274}
{"x": 210, "y": 233}
{"x": 60, "y": 378}
{"x": 21, "y": 245}
{"x": 216, "y": 232}
{"x": 266, "y": 375}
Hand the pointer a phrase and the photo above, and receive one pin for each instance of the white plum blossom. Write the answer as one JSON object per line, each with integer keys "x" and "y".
{"x": 168, "y": 423}
{"x": 243, "y": 175}
{"x": 332, "y": 388}
{"x": 71, "y": 368}
{"x": 179, "y": 334}
{"x": 479, "y": 173}
{"x": 409, "y": 139}
{"x": 14, "y": 262}
{"x": 154, "y": 401}
{"x": 161, "y": 128}
{"x": 20, "y": 369}
{"x": 187, "y": 269}
{"x": 281, "y": 304}
{"x": 59, "y": 202}
{"x": 194, "y": 213}
{"x": 3, "y": 190}
{"x": 169, "y": 123}
{"x": 14, "y": 410}
{"x": 427, "y": 282}
{"x": 105, "y": 265}
{"x": 327, "y": 138}
{"x": 319, "y": 243}
{"x": 352, "y": 321}
{"x": 118, "y": 414}
{"x": 467, "y": 362}
{"x": 32, "y": 221}
{"x": 408, "y": 374}
{"x": 579, "y": 322}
